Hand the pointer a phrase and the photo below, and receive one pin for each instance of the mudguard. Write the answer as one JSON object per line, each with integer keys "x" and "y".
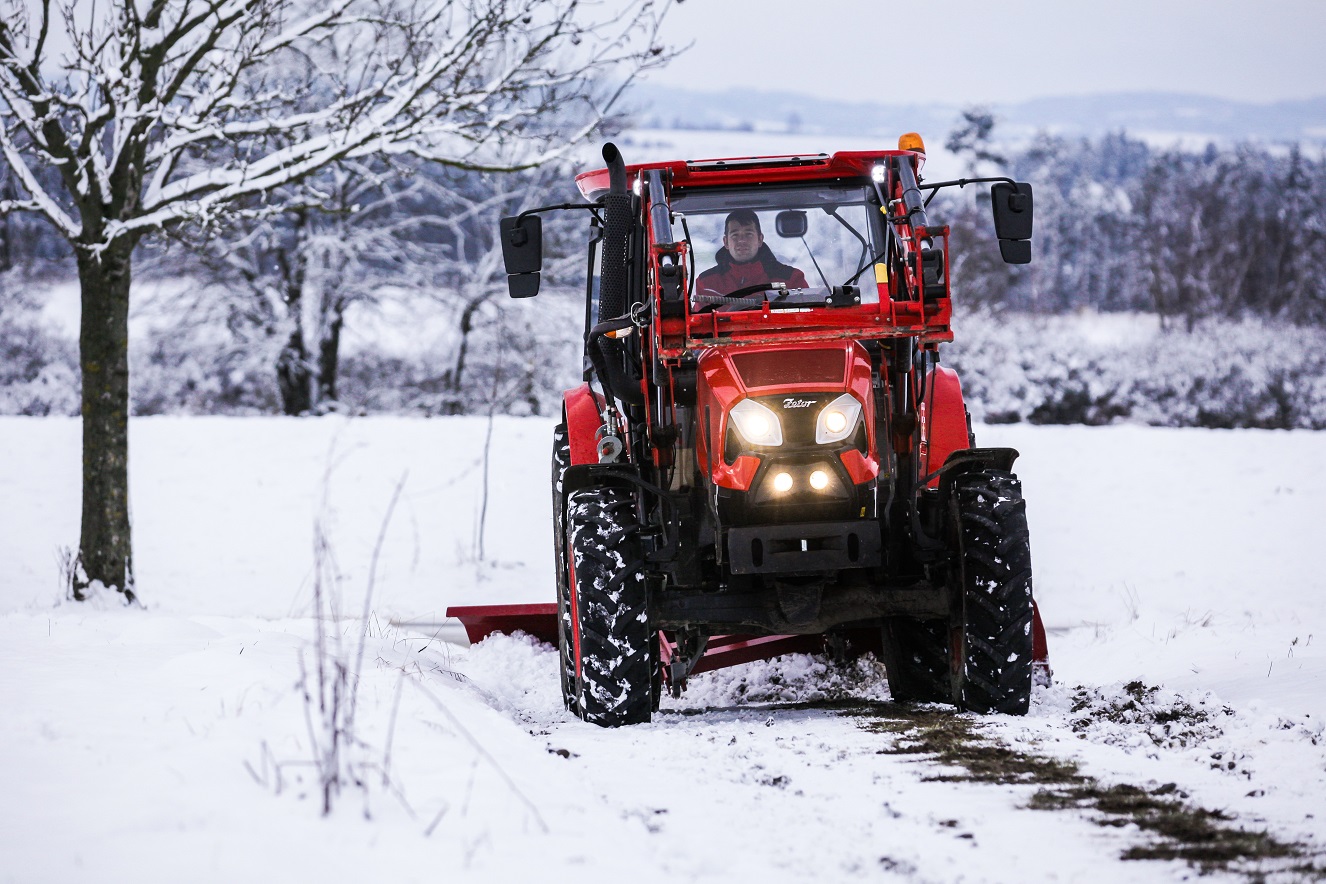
{"x": 583, "y": 411}
{"x": 943, "y": 420}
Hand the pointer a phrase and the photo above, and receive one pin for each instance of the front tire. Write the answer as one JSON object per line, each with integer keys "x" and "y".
{"x": 993, "y": 567}
{"x": 614, "y": 661}
{"x": 561, "y": 459}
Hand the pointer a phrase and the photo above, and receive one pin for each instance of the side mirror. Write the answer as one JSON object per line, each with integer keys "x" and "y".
{"x": 522, "y": 252}
{"x": 791, "y": 224}
{"x": 1012, "y": 204}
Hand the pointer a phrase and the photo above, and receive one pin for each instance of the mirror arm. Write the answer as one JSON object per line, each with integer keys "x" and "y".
{"x": 961, "y": 182}
{"x": 593, "y": 207}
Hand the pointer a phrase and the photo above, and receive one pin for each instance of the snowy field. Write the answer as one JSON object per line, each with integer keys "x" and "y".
{"x": 172, "y": 742}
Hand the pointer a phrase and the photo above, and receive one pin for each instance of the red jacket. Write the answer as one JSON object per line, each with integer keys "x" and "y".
{"x": 728, "y": 275}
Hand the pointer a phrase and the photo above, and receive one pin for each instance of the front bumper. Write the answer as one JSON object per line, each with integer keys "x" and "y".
{"x": 804, "y": 548}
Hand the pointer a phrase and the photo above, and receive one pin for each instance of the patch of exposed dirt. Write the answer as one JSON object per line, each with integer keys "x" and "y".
{"x": 1208, "y": 840}
{"x": 953, "y": 741}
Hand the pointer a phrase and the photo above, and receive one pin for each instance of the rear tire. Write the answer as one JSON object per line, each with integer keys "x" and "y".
{"x": 994, "y": 571}
{"x": 916, "y": 658}
{"x": 615, "y": 663}
{"x": 561, "y": 459}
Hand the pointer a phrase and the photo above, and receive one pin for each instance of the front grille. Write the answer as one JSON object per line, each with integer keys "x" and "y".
{"x": 771, "y": 368}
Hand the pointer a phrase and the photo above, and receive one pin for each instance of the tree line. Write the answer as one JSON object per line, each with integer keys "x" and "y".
{"x": 1121, "y": 226}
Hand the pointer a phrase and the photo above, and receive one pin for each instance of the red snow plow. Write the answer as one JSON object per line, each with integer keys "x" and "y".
{"x": 774, "y": 460}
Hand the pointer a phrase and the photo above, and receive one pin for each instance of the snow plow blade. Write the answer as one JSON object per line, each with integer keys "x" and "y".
{"x": 540, "y": 621}
{"x": 481, "y": 621}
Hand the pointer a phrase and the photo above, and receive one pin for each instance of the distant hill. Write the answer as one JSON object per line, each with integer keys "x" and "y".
{"x": 1157, "y": 117}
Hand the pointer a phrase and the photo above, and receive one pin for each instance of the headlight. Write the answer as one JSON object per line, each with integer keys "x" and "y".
{"x": 757, "y": 423}
{"x": 838, "y": 419}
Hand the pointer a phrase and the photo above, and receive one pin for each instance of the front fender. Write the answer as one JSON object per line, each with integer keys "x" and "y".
{"x": 943, "y": 420}
{"x": 583, "y": 411}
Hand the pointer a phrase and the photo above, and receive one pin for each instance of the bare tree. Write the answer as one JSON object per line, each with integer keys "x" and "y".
{"x": 418, "y": 235}
{"x": 288, "y": 280}
{"x": 164, "y": 113}
{"x": 468, "y": 277}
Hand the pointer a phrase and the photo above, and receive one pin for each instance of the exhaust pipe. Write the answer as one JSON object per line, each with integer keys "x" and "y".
{"x": 614, "y": 280}
{"x": 616, "y": 168}
{"x": 616, "y": 237}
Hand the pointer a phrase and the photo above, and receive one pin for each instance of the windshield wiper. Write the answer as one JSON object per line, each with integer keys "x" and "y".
{"x": 866, "y": 266}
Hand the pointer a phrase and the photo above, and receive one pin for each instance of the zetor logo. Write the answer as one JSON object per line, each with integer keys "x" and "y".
{"x": 798, "y": 403}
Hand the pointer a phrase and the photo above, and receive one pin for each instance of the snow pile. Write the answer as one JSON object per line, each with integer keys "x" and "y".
{"x": 517, "y": 676}
{"x": 1131, "y": 714}
{"x": 793, "y": 678}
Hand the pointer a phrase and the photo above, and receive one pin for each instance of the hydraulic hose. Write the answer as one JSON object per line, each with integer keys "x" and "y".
{"x": 912, "y": 201}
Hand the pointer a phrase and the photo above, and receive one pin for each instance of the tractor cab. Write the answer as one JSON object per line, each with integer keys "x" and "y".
{"x": 806, "y": 241}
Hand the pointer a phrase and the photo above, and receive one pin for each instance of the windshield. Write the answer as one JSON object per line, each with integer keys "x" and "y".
{"x": 753, "y": 242}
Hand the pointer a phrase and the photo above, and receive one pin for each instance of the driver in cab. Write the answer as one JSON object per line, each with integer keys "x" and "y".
{"x": 744, "y": 260}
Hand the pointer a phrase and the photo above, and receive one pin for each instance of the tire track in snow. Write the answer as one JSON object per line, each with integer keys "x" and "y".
{"x": 794, "y": 770}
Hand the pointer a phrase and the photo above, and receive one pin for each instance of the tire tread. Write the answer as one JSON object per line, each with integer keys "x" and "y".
{"x": 614, "y": 685}
{"x": 996, "y": 585}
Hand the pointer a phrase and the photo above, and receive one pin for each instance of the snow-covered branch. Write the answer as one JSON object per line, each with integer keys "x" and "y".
{"x": 177, "y": 112}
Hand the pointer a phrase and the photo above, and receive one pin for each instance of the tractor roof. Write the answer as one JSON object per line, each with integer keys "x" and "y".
{"x": 752, "y": 170}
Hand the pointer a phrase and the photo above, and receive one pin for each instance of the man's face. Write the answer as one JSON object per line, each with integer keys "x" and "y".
{"x": 742, "y": 241}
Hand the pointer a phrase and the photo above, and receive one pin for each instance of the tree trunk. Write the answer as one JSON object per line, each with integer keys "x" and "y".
{"x": 329, "y": 355}
{"x": 292, "y": 376}
{"x": 6, "y": 233}
{"x": 104, "y": 545}
{"x": 456, "y": 405}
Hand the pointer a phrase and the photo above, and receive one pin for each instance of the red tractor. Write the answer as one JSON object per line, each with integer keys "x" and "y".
{"x": 774, "y": 459}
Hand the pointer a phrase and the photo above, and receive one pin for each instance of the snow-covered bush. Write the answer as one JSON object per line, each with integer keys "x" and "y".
{"x": 1083, "y": 368}
{"x": 38, "y": 367}
{"x": 518, "y": 358}
{"x": 192, "y": 373}
{"x": 1091, "y": 368}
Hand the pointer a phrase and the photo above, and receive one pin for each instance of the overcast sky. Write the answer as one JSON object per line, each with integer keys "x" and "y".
{"x": 982, "y": 51}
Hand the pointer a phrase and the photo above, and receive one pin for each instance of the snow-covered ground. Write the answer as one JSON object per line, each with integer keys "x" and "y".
{"x": 172, "y": 742}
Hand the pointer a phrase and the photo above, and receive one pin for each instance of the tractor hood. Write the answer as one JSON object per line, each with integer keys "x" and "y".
{"x": 783, "y": 396}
